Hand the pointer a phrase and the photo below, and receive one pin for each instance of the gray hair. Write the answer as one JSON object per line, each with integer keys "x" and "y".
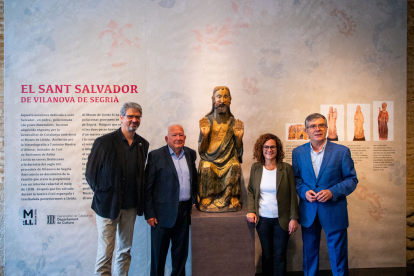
{"x": 172, "y": 124}
{"x": 129, "y": 105}
{"x": 314, "y": 116}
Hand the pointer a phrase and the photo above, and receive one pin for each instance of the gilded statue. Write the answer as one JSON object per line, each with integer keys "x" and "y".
{"x": 221, "y": 148}
{"x": 359, "y": 125}
{"x": 332, "y": 116}
{"x": 383, "y": 122}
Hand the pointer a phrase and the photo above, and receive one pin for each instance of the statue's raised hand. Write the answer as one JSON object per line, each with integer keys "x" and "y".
{"x": 239, "y": 129}
{"x": 204, "y": 126}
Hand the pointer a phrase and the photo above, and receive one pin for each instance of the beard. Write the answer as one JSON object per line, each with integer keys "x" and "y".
{"x": 222, "y": 108}
{"x": 132, "y": 127}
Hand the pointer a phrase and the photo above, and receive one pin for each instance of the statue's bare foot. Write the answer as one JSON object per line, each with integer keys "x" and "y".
{"x": 235, "y": 202}
{"x": 206, "y": 201}
{"x": 220, "y": 202}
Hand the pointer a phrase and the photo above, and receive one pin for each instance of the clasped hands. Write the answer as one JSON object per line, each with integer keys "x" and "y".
{"x": 321, "y": 196}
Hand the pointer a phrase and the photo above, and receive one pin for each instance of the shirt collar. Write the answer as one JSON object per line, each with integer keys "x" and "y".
{"x": 172, "y": 152}
{"x": 322, "y": 150}
{"x": 125, "y": 139}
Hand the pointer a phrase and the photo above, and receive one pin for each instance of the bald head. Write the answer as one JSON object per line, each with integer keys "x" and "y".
{"x": 175, "y": 138}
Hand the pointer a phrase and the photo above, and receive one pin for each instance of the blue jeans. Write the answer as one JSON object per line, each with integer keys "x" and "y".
{"x": 274, "y": 242}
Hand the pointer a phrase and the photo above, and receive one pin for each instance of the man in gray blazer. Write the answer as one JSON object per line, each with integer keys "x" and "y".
{"x": 171, "y": 183}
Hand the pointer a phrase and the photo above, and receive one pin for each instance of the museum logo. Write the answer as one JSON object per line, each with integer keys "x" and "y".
{"x": 29, "y": 217}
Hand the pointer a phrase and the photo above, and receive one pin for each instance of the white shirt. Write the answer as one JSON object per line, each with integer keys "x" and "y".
{"x": 317, "y": 158}
{"x": 183, "y": 174}
{"x": 267, "y": 201}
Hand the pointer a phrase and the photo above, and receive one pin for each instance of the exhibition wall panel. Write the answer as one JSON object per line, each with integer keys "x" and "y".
{"x": 69, "y": 65}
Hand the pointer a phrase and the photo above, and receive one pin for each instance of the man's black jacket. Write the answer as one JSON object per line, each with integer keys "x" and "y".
{"x": 105, "y": 173}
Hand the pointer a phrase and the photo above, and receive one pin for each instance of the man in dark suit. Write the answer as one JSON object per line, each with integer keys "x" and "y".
{"x": 171, "y": 183}
{"x": 325, "y": 175}
{"x": 115, "y": 173}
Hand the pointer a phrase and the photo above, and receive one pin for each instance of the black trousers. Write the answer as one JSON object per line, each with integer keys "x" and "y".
{"x": 274, "y": 241}
{"x": 179, "y": 237}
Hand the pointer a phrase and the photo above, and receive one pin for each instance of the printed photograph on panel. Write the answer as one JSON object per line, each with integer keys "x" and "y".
{"x": 358, "y": 122}
{"x": 295, "y": 132}
{"x": 383, "y": 117}
{"x": 335, "y": 118}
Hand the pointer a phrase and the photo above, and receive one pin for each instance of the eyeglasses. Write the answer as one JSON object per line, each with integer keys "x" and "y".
{"x": 130, "y": 117}
{"x": 269, "y": 147}
{"x": 320, "y": 126}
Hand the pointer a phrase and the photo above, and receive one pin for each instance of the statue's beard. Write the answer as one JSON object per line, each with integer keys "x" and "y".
{"x": 222, "y": 109}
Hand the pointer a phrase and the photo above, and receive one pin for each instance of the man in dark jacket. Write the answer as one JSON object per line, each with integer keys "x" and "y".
{"x": 171, "y": 183}
{"x": 115, "y": 173}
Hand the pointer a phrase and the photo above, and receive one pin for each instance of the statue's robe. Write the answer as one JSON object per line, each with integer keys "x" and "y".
{"x": 220, "y": 168}
{"x": 383, "y": 125}
{"x": 359, "y": 122}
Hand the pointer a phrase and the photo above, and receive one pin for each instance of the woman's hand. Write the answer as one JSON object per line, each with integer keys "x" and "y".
{"x": 293, "y": 226}
{"x": 251, "y": 217}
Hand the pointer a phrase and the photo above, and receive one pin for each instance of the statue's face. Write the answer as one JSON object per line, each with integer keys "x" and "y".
{"x": 222, "y": 100}
{"x": 384, "y": 106}
{"x": 358, "y": 108}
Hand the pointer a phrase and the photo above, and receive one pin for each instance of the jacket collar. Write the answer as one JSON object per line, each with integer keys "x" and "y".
{"x": 326, "y": 157}
{"x": 170, "y": 162}
{"x": 168, "y": 157}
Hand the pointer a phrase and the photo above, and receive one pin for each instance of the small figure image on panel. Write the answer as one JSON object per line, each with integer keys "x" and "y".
{"x": 335, "y": 116}
{"x": 383, "y": 122}
{"x": 359, "y": 125}
{"x": 220, "y": 147}
{"x": 296, "y": 132}
{"x": 358, "y": 122}
{"x": 383, "y": 115}
{"x": 332, "y": 116}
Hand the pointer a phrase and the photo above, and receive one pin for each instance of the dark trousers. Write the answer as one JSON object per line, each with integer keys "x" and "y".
{"x": 274, "y": 242}
{"x": 179, "y": 237}
{"x": 337, "y": 242}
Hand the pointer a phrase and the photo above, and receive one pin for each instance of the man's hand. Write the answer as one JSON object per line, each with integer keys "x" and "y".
{"x": 239, "y": 129}
{"x": 323, "y": 196}
{"x": 310, "y": 196}
{"x": 293, "y": 226}
{"x": 251, "y": 217}
{"x": 152, "y": 222}
{"x": 204, "y": 126}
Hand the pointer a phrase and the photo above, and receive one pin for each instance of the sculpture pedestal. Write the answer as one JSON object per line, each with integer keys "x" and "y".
{"x": 333, "y": 139}
{"x": 222, "y": 244}
{"x": 359, "y": 139}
